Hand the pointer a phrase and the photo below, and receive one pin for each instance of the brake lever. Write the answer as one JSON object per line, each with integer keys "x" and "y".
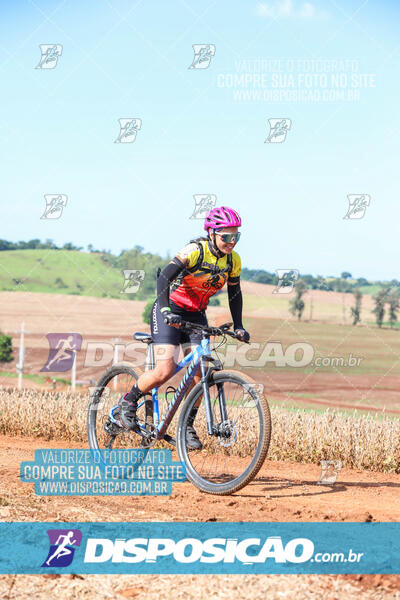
{"x": 232, "y": 334}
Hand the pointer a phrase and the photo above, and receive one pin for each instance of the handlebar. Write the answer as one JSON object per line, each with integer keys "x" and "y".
{"x": 221, "y": 330}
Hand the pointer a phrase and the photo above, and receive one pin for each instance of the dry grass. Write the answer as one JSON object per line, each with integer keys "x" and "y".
{"x": 361, "y": 442}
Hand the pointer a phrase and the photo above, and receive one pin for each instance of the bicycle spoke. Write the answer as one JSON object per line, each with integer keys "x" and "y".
{"x": 225, "y": 457}
{"x": 106, "y": 433}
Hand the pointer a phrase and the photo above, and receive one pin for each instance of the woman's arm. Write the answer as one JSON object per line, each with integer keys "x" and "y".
{"x": 167, "y": 275}
{"x": 236, "y": 304}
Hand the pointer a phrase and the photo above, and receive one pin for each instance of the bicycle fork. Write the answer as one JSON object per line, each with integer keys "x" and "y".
{"x": 205, "y": 376}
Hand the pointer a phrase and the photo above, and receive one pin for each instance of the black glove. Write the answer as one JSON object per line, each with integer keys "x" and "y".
{"x": 242, "y": 335}
{"x": 171, "y": 318}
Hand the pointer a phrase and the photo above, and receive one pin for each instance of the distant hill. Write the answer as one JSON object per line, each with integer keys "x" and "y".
{"x": 36, "y": 266}
{"x": 73, "y": 272}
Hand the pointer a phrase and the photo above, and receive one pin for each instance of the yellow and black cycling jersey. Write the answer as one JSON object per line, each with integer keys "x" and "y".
{"x": 193, "y": 287}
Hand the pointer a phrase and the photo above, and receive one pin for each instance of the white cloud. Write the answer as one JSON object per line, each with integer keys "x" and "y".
{"x": 285, "y": 8}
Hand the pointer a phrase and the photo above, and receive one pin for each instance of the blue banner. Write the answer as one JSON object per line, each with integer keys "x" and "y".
{"x": 195, "y": 548}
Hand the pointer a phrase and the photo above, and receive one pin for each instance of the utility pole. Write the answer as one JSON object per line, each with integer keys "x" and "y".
{"x": 21, "y": 355}
{"x": 343, "y": 310}
{"x": 115, "y": 360}
{"x": 73, "y": 370}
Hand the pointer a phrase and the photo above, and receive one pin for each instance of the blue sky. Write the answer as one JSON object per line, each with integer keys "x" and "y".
{"x": 127, "y": 59}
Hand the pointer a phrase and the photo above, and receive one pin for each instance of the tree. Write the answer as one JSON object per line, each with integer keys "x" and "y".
{"x": 49, "y": 243}
{"x": 5, "y": 348}
{"x": 70, "y": 246}
{"x": 346, "y": 275}
{"x": 146, "y": 314}
{"x": 356, "y": 310}
{"x": 297, "y": 304}
{"x": 214, "y": 301}
{"x": 394, "y": 306}
{"x": 379, "y": 310}
{"x": 59, "y": 283}
{"x": 361, "y": 281}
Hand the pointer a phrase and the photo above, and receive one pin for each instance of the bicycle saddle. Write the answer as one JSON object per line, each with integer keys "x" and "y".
{"x": 143, "y": 337}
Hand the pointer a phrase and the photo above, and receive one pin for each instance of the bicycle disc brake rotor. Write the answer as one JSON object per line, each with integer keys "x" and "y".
{"x": 227, "y": 433}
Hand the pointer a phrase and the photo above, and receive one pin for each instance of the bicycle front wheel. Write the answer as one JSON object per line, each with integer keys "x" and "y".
{"x": 231, "y": 457}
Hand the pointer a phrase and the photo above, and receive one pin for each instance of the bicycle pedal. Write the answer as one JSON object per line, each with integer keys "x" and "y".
{"x": 112, "y": 428}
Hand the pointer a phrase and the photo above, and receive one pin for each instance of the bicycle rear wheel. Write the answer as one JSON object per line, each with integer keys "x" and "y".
{"x": 102, "y": 431}
{"x": 232, "y": 458}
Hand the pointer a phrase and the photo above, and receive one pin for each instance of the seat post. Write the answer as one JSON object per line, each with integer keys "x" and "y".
{"x": 150, "y": 357}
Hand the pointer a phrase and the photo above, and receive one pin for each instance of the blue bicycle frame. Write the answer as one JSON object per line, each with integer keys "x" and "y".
{"x": 198, "y": 356}
{"x": 191, "y": 361}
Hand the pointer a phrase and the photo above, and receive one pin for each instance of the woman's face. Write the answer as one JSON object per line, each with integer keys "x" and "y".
{"x": 224, "y": 247}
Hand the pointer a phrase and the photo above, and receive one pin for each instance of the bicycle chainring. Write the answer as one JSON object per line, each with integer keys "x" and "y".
{"x": 150, "y": 439}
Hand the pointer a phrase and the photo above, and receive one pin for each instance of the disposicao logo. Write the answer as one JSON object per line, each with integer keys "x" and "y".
{"x": 62, "y": 542}
{"x": 190, "y": 550}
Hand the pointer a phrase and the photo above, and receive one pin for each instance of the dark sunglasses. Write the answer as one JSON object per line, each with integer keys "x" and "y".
{"x": 228, "y": 238}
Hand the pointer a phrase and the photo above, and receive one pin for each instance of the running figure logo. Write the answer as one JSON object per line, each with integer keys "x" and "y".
{"x": 55, "y": 204}
{"x": 357, "y": 205}
{"x": 286, "y": 280}
{"x": 203, "y": 54}
{"x": 203, "y": 203}
{"x": 329, "y": 471}
{"x": 128, "y": 130}
{"x": 278, "y": 129}
{"x": 63, "y": 347}
{"x": 50, "y": 55}
{"x": 133, "y": 280}
{"x": 62, "y": 542}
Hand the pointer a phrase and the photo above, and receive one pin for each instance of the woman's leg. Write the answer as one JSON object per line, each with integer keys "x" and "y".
{"x": 165, "y": 356}
{"x": 192, "y": 439}
{"x": 197, "y": 378}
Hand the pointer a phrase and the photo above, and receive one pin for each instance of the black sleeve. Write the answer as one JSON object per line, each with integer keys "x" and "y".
{"x": 236, "y": 305}
{"x": 234, "y": 279}
{"x": 167, "y": 275}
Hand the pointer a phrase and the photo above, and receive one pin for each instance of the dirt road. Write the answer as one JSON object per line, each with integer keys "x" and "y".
{"x": 281, "y": 492}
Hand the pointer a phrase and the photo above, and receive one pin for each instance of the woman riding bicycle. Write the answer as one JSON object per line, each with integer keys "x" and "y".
{"x": 197, "y": 271}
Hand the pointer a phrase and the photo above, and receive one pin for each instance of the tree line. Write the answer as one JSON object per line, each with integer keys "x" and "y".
{"x": 345, "y": 283}
{"x": 386, "y": 299}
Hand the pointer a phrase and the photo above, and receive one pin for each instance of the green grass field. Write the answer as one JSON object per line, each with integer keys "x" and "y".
{"x": 59, "y": 271}
{"x": 379, "y": 349}
{"x": 32, "y": 377}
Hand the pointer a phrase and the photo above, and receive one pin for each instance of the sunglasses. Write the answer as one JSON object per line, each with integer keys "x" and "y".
{"x": 228, "y": 238}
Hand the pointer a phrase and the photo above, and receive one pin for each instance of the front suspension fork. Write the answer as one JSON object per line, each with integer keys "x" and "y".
{"x": 205, "y": 376}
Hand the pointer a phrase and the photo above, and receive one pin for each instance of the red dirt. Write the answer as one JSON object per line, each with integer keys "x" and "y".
{"x": 282, "y": 491}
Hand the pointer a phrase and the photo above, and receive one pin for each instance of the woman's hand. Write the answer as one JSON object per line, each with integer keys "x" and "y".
{"x": 172, "y": 319}
{"x": 242, "y": 335}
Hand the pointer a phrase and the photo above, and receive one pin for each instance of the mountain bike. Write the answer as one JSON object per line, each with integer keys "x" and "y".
{"x": 233, "y": 421}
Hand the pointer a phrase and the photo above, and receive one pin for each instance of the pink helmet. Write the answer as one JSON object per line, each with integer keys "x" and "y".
{"x": 222, "y": 216}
